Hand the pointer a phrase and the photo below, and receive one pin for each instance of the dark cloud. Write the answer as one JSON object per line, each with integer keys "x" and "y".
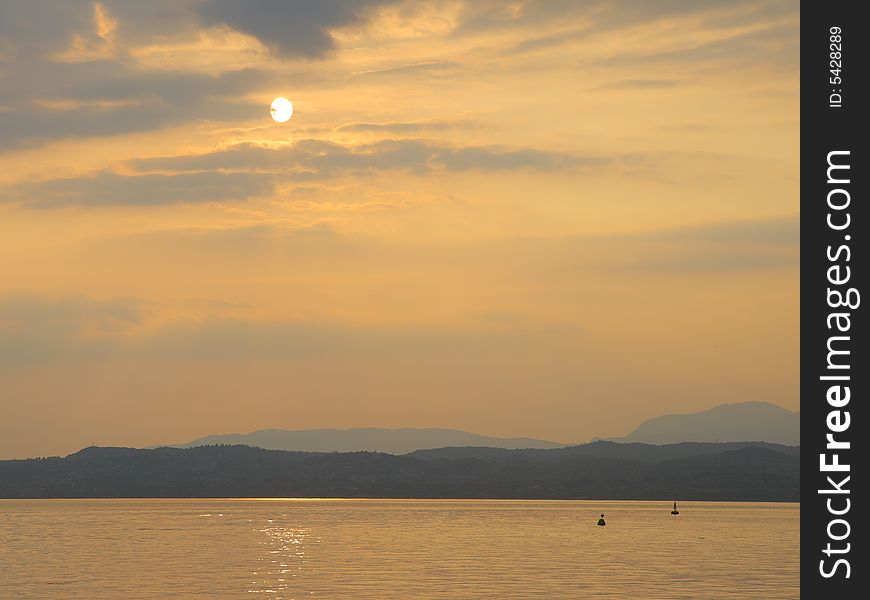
{"x": 32, "y": 32}
{"x": 45, "y": 99}
{"x": 292, "y": 28}
{"x": 37, "y": 30}
{"x": 110, "y": 188}
{"x": 38, "y": 125}
{"x": 33, "y": 29}
{"x": 176, "y": 88}
{"x": 108, "y": 99}
{"x": 145, "y": 21}
{"x": 248, "y": 170}
{"x": 318, "y": 158}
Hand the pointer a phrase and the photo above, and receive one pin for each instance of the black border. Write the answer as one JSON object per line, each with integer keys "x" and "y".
{"x": 824, "y": 129}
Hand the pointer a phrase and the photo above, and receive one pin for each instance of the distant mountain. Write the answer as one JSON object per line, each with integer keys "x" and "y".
{"x": 601, "y": 470}
{"x": 390, "y": 441}
{"x": 743, "y": 422}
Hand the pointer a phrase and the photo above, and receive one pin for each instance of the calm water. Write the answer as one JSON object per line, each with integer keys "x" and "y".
{"x": 382, "y": 549}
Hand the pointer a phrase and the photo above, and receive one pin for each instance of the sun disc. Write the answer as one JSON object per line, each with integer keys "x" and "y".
{"x": 281, "y": 110}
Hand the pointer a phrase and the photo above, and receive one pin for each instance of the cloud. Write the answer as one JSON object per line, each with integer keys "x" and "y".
{"x": 247, "y": 170}
{"x": 485, "y": 159}
{"x": 36, "y": 28}
{"x": 605, "y": 17}
{"x": 65, "y": 75}
{"x": 710, "y": 262}
{"x": 34, "y": 85}
{"x": 26, "y": 311}
{"x": 109, "y": 188}
{"x": 233, "y": 339}
{"x": 702, "y": 249}
{"x": 782, "y": 231}
{"x": 640, "y": 84}
{"x": 422, "y": 67}
{"x": 601, "y": 16}
{"x": 39, "y": 30}
{"x": 291, "y": 28}
{"x": 412, "y": 127}
{"x": 707, "y": 249}
{"x": 247, "y": 243}
{"x": 38, "y": 328}
{"x": 777, "y": 44}
{"x": 108, "y": 99}
{"x": 116, "y": 82}
{"x": 319, "y": 158}
{"x": 546, "y": 41}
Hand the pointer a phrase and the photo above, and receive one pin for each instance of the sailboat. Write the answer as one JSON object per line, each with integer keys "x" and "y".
{"x": 675, "y": 511}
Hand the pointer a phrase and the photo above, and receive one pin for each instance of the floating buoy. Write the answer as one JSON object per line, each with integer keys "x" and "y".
{"x": 601, "y": 520}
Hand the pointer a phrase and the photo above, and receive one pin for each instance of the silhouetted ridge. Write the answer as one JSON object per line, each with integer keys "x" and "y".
{"x": 599, "y": 470}
{"x": 604, "y": 449}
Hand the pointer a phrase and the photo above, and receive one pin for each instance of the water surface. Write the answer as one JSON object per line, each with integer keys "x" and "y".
{"x": 395, "y": 549}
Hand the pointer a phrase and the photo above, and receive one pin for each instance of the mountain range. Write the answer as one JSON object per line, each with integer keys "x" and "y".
{"x": 743, "y": 422}
{"x": 739, "y": 452}
{"x": 370, "y": 439}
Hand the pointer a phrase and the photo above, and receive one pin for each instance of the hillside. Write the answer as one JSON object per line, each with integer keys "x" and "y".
{"x": 593, "y": 471}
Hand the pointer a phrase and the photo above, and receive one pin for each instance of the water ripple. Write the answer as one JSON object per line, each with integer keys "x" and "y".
{"x": 395, "y": 549}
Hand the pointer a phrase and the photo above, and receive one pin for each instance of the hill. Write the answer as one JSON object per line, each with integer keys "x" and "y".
{"x": 600, "y": 470}
{"x": 742, "y": 422}
{"x": 635, "y": 451}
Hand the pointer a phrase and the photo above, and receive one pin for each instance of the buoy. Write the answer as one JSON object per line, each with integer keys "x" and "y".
{"x": 675, "y": 511}
{"x": 601, "y": 520}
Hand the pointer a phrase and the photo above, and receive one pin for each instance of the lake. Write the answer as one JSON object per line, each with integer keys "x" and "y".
{"x": 402, "y": 549}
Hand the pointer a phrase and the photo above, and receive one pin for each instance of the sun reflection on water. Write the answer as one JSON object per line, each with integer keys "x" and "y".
{"x": 283, "y": 560}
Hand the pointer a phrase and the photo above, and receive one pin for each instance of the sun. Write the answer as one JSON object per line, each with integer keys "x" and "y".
{"x": 281, "y": 110}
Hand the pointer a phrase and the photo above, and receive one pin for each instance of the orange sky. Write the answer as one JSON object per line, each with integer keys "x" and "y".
{"x": 547, "y": 219}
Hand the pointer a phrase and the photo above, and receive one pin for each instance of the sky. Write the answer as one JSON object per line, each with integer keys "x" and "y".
{"x": 551, "y": 219}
